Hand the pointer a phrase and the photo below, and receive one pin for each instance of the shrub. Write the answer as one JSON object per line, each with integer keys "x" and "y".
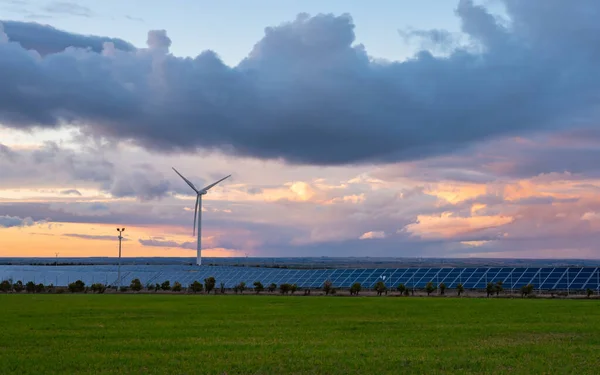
{"x": 40, "y": 288}
{"x": 30, "y": 287}
{"x": 442, "y": 288}
{"x": 380, "y": 287}
{"x": 589, "y": 292}
{"x": 258, "y": 287}
{"x": 272, "y": 287}
{"x": 156, "y": 287}
{"x": 177, "y": 286}
{"x": 150, "y": 287}
{"x": 5, "y": 286}
{"x": 222, "y": 288}
{"x": 98, "y": 288}
{"x": 429, "y": 288}
{"x": 293, "y": 288}
{"x": 460, "y": 289}
{"x": 136, "y": 285}
{"x": 498, "y": 287}
{"x": 123, "y": 289}
{"x": 285, "y": 288}
{"x": 166, "y": 285}
{"x": 401, "y": 288}
{"x": 209, "y": 284}
{"x": 77, "y": 287}
{"x": 526, "y": 290}
{"x": 355, "y": 289}
{"x": 196, "y": 287}
{"x": 490, "y": 288}
{"x": 327, "y": 287}
{"x": 18, "y": 286}
{"x": 242, "y": 286}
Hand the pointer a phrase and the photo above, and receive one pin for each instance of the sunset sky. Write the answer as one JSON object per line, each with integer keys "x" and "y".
{"x": 397, "y": 128}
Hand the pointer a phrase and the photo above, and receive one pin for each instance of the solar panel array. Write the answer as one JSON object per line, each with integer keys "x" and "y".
{"x": 558, "y": 278}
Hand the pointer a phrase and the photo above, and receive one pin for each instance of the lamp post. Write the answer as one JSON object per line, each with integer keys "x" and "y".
{"x": 120, "y": 230}
{"x": 56, "y": 263}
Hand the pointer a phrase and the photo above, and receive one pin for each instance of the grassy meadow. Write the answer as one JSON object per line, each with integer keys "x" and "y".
{"x": 187, "y": 334}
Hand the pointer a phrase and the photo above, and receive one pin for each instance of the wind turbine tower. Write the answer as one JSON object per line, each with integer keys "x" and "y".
{"x": 198, "y": 211}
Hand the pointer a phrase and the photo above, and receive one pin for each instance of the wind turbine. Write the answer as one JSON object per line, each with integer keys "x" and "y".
{"x": 198, "y": 211}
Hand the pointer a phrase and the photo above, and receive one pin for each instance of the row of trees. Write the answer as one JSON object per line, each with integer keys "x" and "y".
{"x": 285, "y": 288}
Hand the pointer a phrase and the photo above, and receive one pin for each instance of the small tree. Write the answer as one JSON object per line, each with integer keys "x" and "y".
{"x": 196, "y": 287}
{"x": 150, "y": 287}
{"x": 209, "y": 284}
{"x": 156, "y": 287}
{"x": 18, "y": 286}
{"x": 327, "y": 287}
{"x": 285, "y": 288}
{"x": 77, "y": 286}
{"x": 460, "y": 289}
{"x": 380, "y": 287}
{"x": 272, "y": 287}
{"x": 166, "y": 285}
{"x": 221, "y": 288}
{"x": 429, "y": 288}
{"x": 98, "y": 288}
{"x": 293, "y": 288}
{"x": 499, "y": 287}
{"x": 258, "y": 287}
{"x": 401, "y": 288}
{"x": 177, "y": 286}
{"x": 242, "y": 287}
{"x": 5, "y": 286}
{"x": 40, "y": 288}
{"x": 589, "y": 292}
{"x": 30, "y": 287}
{"x": 136, "y": 285}
{"x": 355, "y": 289}
{"x": 490, "y": 288}
{"x": 526, "y": 290}
{"x": 442, "y": 288}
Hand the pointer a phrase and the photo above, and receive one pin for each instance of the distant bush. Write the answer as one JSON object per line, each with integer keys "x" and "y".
{"x": 30, "y": 287}
{"x": 18, "y": 286}
{"x": 442, "y": 288}
{"x": 380, "y": 287}
{"x": 77, "y": 287}
{"x": 429, "y": 288}
{"x": 196, "y": 287}
{"x": 156, "y": 287}
{"x": 209, "y": 284}
{"x": 460, "y": 289}
{"x": 40, "y": 288}
{"x": 222, "y": 288}
{"x": 499, "y": 287}
{"x": 123, "y": 289}
{"x": 5, "y": 286}
{"x": 258, "y": 287}
{"x": 327, "y": 287}
{"x": 589, "y": 292}
{"x": 293, "y": 288}
{"x": 401, "y": 288}
{"x": 136, "y": 285}
{"x": 241, "y": 287}
{"x": 490, "y": 288}
{"x": 98, "y": 288}
{"x": 166, "y": 285}
{"x": 355, "y": 289}
{"x": 526, "y": 290}
{"x": 272, "y": 287}
{"x": 285, "y": 288}
{"x": 177, "y": 286}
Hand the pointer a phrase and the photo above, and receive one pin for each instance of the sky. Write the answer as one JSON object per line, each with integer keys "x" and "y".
{"x": 401, "y": 128}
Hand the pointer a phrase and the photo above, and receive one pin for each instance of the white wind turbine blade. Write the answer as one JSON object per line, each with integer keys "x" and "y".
{"x": 196, "y": 212}
{"x": 213, "y": 184}
{"x": 187, "y": 181}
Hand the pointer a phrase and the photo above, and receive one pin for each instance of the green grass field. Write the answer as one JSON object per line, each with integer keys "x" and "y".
{"x": 170, "y": 334}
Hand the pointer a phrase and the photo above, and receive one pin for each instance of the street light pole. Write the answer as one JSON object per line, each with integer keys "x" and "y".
{"x": 120, "y": 230}
{"x": 56, "y": 263}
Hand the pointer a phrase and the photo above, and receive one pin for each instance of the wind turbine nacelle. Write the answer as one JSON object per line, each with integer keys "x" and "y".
{"x": 203, "y": 192}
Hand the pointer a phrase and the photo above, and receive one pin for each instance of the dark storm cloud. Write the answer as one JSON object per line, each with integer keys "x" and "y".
{"x": 307, "y": 93}
{"x": 46, "y": 39}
